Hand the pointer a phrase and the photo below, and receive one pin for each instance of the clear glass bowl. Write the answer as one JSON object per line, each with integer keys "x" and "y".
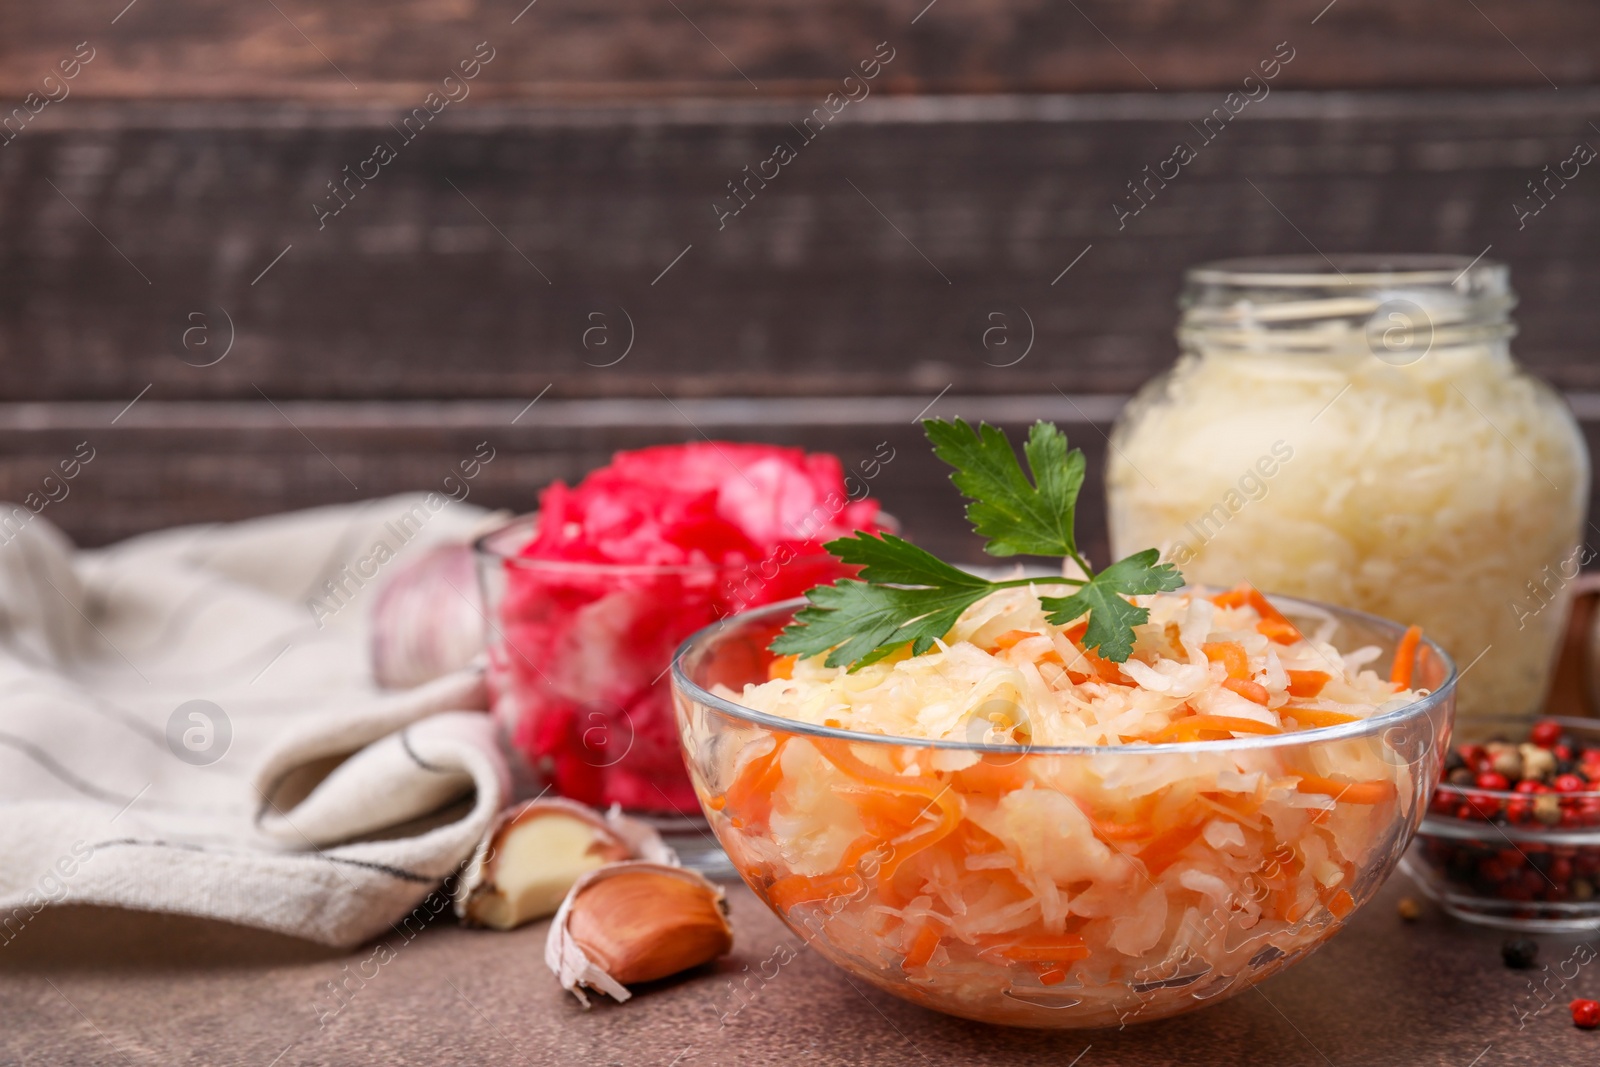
{"x": 1058, "y": 887}
{"x": 578, "y": 656}
{"x": 1513, "y": 860}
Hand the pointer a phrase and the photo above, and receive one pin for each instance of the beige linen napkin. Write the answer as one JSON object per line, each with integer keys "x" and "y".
{"x": 188, "y": 723}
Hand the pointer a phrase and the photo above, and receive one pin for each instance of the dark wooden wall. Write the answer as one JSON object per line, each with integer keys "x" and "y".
{"x": 568, "y": 201}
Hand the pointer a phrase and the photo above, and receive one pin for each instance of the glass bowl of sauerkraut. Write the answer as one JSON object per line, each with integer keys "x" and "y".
{"x": 1011, "y": 829}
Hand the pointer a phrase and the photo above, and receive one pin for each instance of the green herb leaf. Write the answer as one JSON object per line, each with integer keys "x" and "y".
{"x": 1111, "y": 617}
{"x": 1018, "y": 517}
{"x": 891, "y": 560}
{"x": 909, "y": 595}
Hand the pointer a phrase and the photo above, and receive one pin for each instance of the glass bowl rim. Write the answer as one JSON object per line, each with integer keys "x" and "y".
{"x": 1345, "y": 270}
{"x": 1463, "y": 791}
{"x": 1423, "y": 708}
{"x": 484, "y": 552}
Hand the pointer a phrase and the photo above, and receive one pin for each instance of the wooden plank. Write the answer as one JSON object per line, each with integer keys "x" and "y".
{"x": 561, "y": 49}
{"x": 163, "y": 463}
{"x": 475, "y": 263}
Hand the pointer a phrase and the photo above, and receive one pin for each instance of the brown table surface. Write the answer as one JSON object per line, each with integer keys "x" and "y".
{"x": 83, "y": 986}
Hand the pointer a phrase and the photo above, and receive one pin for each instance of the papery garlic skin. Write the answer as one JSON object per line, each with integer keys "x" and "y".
{"x": 576, "y": 970}
{"x": 427, "y": 619}
{"x": 534, "y": 852}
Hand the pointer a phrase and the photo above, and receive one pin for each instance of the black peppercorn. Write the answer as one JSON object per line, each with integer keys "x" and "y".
{"x": 1519, "y": 952}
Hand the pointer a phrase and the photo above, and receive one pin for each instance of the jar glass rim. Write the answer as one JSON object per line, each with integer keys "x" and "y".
{"x": 501, "y": 546}
{"x": 1356, "y": 270}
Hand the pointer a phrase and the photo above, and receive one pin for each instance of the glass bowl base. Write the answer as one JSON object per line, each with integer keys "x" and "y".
{"x": 1519, "y": 915}
{"x": 691, "y": 838}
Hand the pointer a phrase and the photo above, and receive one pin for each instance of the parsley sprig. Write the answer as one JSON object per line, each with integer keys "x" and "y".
{"x": 907, "y": 596}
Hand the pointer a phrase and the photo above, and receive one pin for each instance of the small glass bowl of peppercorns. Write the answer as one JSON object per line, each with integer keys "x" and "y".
{"x": 1512, "y": 835}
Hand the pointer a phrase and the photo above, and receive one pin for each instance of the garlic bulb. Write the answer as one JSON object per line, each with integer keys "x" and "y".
{"x": 428, "y": 619}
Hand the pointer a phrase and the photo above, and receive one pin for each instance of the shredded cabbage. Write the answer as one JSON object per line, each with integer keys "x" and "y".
{"x": 1042, "y": 689}
{"x": 1097, "y": 888}
{"x": 1436, "y": 493}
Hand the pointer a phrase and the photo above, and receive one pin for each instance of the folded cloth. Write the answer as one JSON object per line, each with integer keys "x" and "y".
{"x": 189, "y": 724}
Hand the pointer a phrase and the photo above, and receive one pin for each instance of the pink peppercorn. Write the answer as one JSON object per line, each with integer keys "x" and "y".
{"x": 1545, "y": 732}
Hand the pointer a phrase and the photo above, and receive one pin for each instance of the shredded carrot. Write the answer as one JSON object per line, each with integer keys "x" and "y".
{"x": 782, "y": 667}
{"x": 1013, "y": 637}
{"x": 1376, "y": 792}
{"x": 1110, "y": 831}
{"x": 750, "y": 795}
{"x": 1104, "y": 669}
{"x": 920, "y": 949}
{"x": 1249, "y": 690}
{"x": 1052, "y": 976}
{"x": 1245, "y": 809}
{"x": 1237, "y": 597}
{"x": 1128, "y": 824}
{"x": 844, "y": 880}
{"x": 889, "y": 815}
{"x": 1405, "y": 657}
{"x": 1316, "y": 717}
{"x": 1264, "y": 607}
{"x": 794, "y": 889}
{"x": 1274, "y": 624}
{"x": 837, "y": 752}
{"x": 1189, "y": 729}
{"x": 1231, "y": 655}
{"x": 1291, "y": 908}
{"x": 1163, "y": 849}
{"x": 1307, "y": 683}
{"x": 992, "y": 776}
{"x": 972, "y": 840}
{"x": 1282, "y": 633}
{"x": 1041, "y": 948}
{"x": 1075, "y": 632}
{"x": 1341, "y": 903}
{"x": 947, "y": 804}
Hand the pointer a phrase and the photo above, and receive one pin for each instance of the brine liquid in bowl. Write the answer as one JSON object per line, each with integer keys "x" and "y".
{"x": 1065, "y": 885}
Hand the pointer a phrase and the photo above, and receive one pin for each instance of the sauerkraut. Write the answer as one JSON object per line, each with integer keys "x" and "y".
{"x": 1448, "y": 492}
{"x": 1227, "y": 667}
{"x": 1133, "y": 879}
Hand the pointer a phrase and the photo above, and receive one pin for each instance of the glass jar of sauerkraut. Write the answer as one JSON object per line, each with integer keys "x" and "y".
{"x": 1356, "y": 431}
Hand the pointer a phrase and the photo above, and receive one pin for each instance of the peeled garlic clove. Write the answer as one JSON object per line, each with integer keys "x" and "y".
{"x": 635, "y": 922}
{"x": 534, "y": 853}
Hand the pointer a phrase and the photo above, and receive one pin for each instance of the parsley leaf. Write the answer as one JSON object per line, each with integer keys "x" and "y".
{"x": 907, "y": 596}
{"x": 896, "y": 561}
{"x": 1111, "y": 617}
{"x": 864, "y": 621}
{"x": 1018, "y": 517}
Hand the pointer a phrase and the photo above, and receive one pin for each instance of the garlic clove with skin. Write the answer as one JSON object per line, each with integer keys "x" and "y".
{"x": 534, "y": 852}
{"x": 635, "y": 922}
